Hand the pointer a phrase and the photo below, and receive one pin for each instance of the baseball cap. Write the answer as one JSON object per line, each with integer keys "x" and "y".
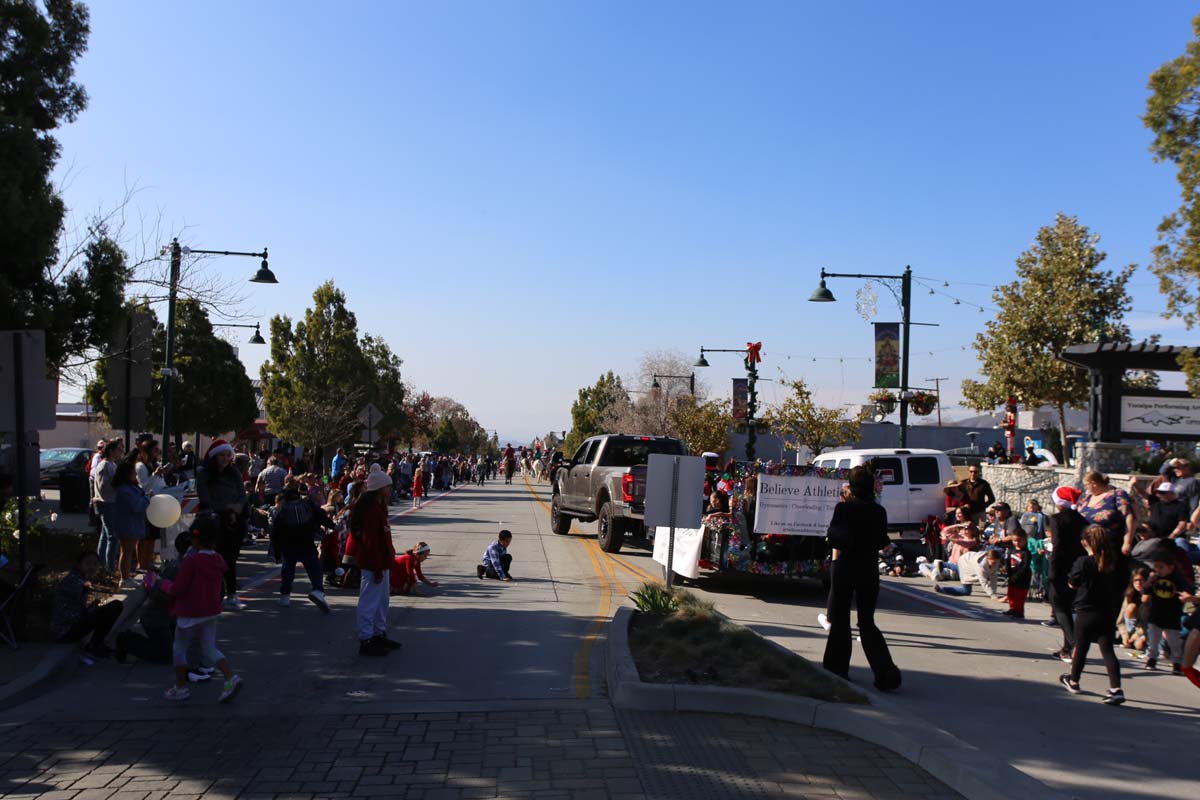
{"x": 1165, "y": 487}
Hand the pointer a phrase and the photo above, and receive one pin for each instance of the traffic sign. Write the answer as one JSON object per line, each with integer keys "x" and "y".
{"x": 369, "y": 415}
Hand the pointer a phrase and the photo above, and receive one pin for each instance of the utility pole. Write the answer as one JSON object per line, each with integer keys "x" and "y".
{"x": 937, "y": 390}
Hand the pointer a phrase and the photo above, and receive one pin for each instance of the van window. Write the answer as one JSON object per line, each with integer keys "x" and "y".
{"x": 923, "y": 470}
{"x": 889, "y": 471}
{"x": 844, "y": 464}
{"x": 827, "y": 464}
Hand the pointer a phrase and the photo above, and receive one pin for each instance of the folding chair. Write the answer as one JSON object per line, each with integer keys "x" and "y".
{"x": 9, "y": 605}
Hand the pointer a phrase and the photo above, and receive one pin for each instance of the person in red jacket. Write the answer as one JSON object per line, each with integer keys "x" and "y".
{"x": 196, "y": 591}
{"x": 375, "y": 555}
{"x": 418, "y": 487}
{"x": 407, "y": 569}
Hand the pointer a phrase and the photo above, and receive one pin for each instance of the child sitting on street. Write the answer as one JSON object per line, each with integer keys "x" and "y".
{"x": 1133, "y": 612}
{"x": 407, "y": 572}
{"x": 496, "y": 560}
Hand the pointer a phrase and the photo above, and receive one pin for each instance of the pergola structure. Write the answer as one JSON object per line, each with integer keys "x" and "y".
{"x": 1115, "y": 414}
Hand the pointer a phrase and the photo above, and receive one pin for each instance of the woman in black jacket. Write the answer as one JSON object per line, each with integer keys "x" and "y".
{"x": 1099, "y": 580}
{"x": 857, "y": 532}
{"x": 221, "y": 491}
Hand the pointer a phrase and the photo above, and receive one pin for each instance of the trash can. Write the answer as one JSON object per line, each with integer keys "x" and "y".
{"x": 73, "y": 492}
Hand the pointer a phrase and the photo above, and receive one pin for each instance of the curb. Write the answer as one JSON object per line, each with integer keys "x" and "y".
{"x": 968, "y": 770}
{"x": 57, "y": 662}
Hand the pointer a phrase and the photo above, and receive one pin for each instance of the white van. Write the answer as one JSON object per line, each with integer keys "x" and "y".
{"x": 913, "y": 481}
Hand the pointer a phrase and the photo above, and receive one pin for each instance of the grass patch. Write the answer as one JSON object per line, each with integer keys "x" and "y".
{"x": 693, "y": 644}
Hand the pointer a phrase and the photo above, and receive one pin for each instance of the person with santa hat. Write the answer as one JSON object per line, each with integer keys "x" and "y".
{"x": 222, "y": 492}
{"x": 1065, "y": 532}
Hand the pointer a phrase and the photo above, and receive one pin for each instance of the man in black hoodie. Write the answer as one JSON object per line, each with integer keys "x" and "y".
{"x": 1066, "y": 535}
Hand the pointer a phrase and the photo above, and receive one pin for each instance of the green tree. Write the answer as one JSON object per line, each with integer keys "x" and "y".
{"x": 320, "y": 375}
{"x": 214, "y": 394}
{"x": 1061, "y": 297}
{"x": 75, "y": 305}
{"x": 704, "y": 426}
{"x": 799, "y": 419}
{"x": 595, "y": 406}
{"x": 445, "y": 439}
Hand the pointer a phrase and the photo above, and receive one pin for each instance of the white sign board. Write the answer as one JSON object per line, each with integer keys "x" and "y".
{"x": 689, "y": 497}
{"x": 796, "y": 505}
{"x": 1168, "y": 416}
{"x": 686, "y": 561}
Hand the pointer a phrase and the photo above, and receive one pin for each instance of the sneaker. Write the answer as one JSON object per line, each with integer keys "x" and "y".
{"x": 371, "y": 647}
{"x": 198, "y": 677}
{"x": 230, "y": 690}
{"x": 938, "y": 564}
{"x": 233, "y": 604}
{"x": 386, "y": 643}
{"x": 1070, "y": 685}
{"x": 1177, "y": 669}
{"x": 479, "y": 571}
{"x": 1192, "y": 675}
{"x": 177, "y": 693}
{"x": 824, "y": 620}
{"x": 205, "y": 670}
{"x": 285, "y": 600}
{"x": 1064, "y": 656}
{"x": 1114, "y": 697}
{"x": 1050, "y": 623}
{"x": 1151, "y": 663}
{"x": 318, "y": 600}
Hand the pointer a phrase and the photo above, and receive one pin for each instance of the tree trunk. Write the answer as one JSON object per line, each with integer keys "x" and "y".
{"x": 1062, "y": 432}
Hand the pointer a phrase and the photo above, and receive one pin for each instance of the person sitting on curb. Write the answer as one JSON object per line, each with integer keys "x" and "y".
{"x": 981, "y": 567}
{"x": 74, "y": 616}
{"x": 407, "y": 572}
{"x": 496, "y": 560}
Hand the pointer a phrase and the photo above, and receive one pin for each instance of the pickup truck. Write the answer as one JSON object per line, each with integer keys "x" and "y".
{"x": 605, "y": 481}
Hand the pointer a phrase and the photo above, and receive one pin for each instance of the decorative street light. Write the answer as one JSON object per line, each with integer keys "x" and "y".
{"x": 264, "y": 275}
{"x": 255, "y": 338}
{"x": 691, "y": 379}
{"x": 751, "y": 357}
{"x": 823, "y": 295}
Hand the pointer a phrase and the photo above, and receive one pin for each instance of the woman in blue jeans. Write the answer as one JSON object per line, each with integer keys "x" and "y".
{"x": 104, "y": 496}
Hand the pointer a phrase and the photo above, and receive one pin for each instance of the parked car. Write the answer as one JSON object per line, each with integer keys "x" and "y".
{"x": 54, "y": 462}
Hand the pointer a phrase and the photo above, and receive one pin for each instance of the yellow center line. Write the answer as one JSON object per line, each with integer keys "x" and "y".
{"x": 583, "y": 656}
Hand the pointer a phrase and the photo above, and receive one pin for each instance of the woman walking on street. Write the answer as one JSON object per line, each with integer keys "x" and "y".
{"x": 375, "y": 555}
{"x": 222, "y": 491}
{"x": 857, "y": 532}
{"x": 1099, "y": 580}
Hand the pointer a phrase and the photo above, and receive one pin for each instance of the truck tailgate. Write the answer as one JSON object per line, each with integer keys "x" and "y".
{"x": 639, "y": 484}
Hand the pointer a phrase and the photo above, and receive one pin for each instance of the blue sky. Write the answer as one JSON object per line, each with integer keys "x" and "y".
{"x": 521, "y": 195}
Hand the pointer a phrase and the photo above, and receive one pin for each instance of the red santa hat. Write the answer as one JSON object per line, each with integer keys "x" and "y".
{"x": 1066, "y": 496}
{"x": 217, "y": 447}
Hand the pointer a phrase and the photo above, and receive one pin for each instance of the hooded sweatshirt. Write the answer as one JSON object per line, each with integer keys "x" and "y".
{"x": 974, "y": 568}
{"x": 197, "y": 589}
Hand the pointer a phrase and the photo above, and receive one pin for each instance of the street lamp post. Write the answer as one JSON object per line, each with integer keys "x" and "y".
{"x": 823, "y": 295}
{"x": 751, "y": 357}
{"x": 264, "y": 275}
{"x": 691, "y": 379}
{"x": 255, "y": 338}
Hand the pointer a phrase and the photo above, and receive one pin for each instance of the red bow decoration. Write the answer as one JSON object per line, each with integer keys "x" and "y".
{"x": 752, "y": 352}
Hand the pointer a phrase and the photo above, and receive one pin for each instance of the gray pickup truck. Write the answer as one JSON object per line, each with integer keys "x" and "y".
{"x": 605, "y": 481}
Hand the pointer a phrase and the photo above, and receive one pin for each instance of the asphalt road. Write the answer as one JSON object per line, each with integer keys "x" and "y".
{"x": 991, "y": 682}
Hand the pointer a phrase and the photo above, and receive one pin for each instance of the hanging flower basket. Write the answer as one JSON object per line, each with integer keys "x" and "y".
{"x": 923, "y": 403}
{"x": 885, "y": 401}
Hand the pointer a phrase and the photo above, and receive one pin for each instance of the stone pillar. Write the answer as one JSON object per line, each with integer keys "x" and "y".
{"x": 1106, "y": 457}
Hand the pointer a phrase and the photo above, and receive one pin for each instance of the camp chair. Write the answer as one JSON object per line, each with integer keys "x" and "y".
{"x": 8, "y": 607}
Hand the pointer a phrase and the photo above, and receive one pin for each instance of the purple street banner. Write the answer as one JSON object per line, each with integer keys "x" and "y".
{"x": 887, "y": 355}
{"x": 741, "y": 397}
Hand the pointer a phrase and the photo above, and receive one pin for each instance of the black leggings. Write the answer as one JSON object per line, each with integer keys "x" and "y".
{"x": 229, "y": 548}
{"x": 1061, "y": 598}
{"x": 863, "y": 590}
{"x": 1095, "y": 626}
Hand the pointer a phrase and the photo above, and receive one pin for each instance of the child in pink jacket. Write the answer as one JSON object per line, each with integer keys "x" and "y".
{"x": 197, "y": 594}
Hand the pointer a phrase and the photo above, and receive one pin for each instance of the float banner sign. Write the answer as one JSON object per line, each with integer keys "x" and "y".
{"x": 1172, "y": 417}
{"x": 741, "y": 397}
{"x": 686, "y": 561}
{"x": 796, "y": 505}
{"x": 887, "y": 355}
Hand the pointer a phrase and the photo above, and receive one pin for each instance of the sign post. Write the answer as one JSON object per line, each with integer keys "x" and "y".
{"x": 673, "y": 500}
{"x": 368, "y": 417}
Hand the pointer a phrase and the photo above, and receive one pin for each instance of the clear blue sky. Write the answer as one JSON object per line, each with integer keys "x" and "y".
{"x": 521, "y": 195}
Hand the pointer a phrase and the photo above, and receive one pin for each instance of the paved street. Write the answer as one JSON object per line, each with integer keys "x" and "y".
{"x": 991, "y": 682}
{"x": 497, "y": 693}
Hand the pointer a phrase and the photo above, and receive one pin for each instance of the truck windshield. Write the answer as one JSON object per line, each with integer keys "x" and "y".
{"x": 631, "y": 451}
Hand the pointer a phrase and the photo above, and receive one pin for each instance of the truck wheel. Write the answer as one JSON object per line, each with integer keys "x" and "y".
{"x": 609, "y": 532}
{"x": 560, "y": 523}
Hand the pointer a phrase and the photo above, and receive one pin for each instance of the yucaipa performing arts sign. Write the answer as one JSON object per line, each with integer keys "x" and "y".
{"x": 796, "y": 505}
{"x": 1164, "y": 416}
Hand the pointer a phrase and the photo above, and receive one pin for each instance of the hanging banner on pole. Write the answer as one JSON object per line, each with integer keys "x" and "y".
{"x": 887, "y": 355}
{"x": 741, "y": 397}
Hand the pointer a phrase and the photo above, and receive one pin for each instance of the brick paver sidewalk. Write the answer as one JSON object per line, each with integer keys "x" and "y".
{"x": 556, "y": 754}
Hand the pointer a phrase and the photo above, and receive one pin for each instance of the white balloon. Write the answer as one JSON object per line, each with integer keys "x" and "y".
{"x": 163, "y": 511}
